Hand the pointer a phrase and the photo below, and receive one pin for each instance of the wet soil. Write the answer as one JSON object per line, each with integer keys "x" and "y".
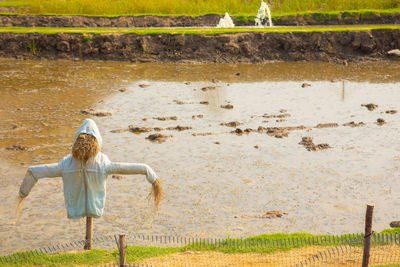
{"x": 224, "y": 48}
{"x": 206, "y": 184}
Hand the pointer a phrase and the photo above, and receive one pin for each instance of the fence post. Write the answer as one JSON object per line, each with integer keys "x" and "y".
{"x": 122, "y": 250}
{"x": 368, "y": 233}
{"x": 89, "y": 233}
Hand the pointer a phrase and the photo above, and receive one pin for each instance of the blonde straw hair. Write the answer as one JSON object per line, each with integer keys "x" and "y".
{"x": 85, "y": 146}
{"x": 157, "y": 193}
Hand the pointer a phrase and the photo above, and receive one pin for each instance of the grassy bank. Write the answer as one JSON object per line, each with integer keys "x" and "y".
{"x": 187, "y": 31}
{"x": 264, "y": 244}
{"x": 195, "y": 8}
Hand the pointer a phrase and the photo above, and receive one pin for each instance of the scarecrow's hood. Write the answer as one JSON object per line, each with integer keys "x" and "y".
{"x": 89, "y": 127}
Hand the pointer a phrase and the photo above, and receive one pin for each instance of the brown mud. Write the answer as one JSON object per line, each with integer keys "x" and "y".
{"x": 308, "y": 143}
{"x": 380, "y": 121}
{"x": 370, "y": 106}
{"x": 157, "y": 138}
{"x": 354, "y": 124}
{"x": 95, "y": 113}
{"x": 7, "y": 20}
{"x": 340, "y": 47}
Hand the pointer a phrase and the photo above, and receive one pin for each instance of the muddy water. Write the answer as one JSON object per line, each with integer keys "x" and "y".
{"x": 216, "y": 184}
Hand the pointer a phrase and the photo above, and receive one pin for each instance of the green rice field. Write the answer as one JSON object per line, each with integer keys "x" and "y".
{"x": 192, "y": 7}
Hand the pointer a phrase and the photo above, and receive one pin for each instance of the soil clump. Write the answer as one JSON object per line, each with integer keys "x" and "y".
{"x": 327, "y": 125}
{"x": 17, "y": 148}
{"x": 370, "y": 106}
{"x": 201, "y": 134}
{"x": 179, "y": 102}
{"x": 199, "y": 116}
{"x": 157, "y": 138}
{"x": 380, "y": 121}
{"x": 139, "y": 130}
{"x": 179, "y": 128}
{"x": 119, "y": 130}
{"x": 173, "y": 118}
{"x": 233, "y": 124}
{"x": 279, "y": 132}
{"x": 395, "y": 224}
{"x": 308, "y": 143}
{"x": 239, "y": 131}
{"x": 228, "y": 106}
{"x": 354, "y": 124}
{"x": 208, "y": 88}
{"x": 280, "y": 116}
{"x": 95, "y": 113}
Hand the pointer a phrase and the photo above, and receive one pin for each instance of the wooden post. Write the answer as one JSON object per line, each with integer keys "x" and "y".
{"x": 368, "y": 233}
{"x": 89, "y": 233}
{"x": 122, "y": 250}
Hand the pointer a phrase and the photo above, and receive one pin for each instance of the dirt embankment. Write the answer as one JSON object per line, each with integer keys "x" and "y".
{"x": 230, "y": 48}
{"x": 188, "y": 21}
{"x": 124, "y": 21}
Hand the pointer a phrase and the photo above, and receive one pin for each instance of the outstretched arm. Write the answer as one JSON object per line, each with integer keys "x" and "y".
{"x": 34, "y": 173}
{"x": 132, "y": 168}
{"x": 137, "y": 168}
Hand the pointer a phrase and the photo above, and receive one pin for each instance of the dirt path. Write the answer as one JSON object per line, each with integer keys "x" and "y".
{"x": 309, "y": 256}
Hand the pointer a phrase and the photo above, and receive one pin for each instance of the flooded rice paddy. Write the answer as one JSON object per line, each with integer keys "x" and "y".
{"x": 217, "y": 183}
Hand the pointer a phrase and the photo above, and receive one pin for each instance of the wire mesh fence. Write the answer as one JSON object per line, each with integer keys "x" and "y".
{"x": 148, "y": 250}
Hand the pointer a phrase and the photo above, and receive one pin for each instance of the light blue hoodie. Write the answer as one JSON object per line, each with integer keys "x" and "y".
{"x": 84, "y": 184}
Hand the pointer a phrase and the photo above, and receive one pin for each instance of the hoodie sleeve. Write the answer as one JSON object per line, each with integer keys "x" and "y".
{"x": 35, "y": 173}
{"x": 131, "y": 168}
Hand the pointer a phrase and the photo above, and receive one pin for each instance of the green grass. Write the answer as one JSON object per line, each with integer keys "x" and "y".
{"x": 12, "y": 4}
{"x": 267, "y": 243}
{"x": 195, "y": 8}
{"x": 391, "y": 231}
{"x": 193, "y": 31}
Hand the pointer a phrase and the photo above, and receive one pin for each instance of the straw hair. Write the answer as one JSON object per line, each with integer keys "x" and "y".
{"x": 19, "y": 210}
{"x": 157, "y": 193}
{"x": 85, "y": 146}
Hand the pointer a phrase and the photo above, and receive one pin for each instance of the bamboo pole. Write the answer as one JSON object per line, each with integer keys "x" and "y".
{"x": 122, "y": 250}
{"x": 89, "y": 233}
{"x": 368, "y": 233}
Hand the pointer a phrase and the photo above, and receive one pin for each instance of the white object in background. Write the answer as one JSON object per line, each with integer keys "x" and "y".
{"x": 226, "y": 22}
{"x": 261, "y": 15}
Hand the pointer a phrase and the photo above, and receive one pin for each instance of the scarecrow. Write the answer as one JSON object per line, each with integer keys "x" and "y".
{"x": 84, "y": 173}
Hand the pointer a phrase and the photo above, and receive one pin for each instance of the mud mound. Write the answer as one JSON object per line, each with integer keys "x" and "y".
{"x": 157, "y": 138}
{"x": 308, "y": 143}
